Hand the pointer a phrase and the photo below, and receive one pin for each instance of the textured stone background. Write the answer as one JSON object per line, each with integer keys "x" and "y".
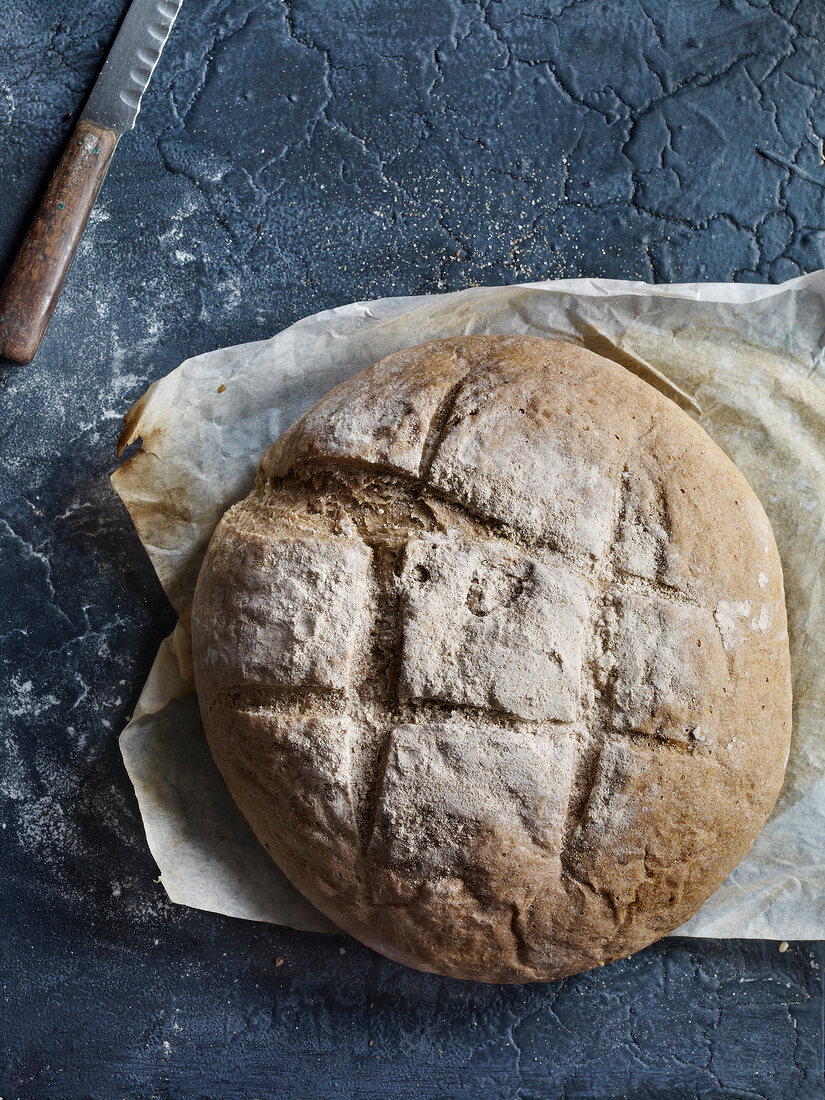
{"x": 290, "y": 157}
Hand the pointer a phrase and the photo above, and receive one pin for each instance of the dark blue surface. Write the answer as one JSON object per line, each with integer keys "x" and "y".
{"x": 290, "y": 158}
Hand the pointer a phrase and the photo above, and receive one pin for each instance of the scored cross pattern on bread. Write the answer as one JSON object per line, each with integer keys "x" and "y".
{"x": 494, "y": 659}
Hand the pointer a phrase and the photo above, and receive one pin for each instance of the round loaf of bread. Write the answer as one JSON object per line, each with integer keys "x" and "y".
{"x": 494, "y": 659}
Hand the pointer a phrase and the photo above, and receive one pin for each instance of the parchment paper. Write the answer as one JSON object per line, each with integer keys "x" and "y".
{"x": 746, "y": 360}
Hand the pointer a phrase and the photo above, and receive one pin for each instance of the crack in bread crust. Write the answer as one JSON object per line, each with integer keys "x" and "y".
{"x": 589, "y": 758}
{"x": 438, "y": 426}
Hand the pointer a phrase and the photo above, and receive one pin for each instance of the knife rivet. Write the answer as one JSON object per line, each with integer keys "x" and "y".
{"x": 80, "y": 141}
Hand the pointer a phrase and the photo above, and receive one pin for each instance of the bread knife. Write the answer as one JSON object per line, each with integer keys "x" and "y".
{"x": 30, "y": 291}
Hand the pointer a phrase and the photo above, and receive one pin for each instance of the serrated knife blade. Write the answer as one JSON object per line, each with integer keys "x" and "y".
{"x": 118, "y": 91}
{"x": 32, "y": 286}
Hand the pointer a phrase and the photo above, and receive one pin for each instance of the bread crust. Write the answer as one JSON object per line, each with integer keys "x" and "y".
{"x": 494, "y": 659}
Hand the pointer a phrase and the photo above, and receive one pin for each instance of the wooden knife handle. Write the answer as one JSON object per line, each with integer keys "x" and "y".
{"x": 31, "y": 289}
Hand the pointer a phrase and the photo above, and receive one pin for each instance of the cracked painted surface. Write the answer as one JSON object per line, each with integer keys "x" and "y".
{"x": 290, "y": 157}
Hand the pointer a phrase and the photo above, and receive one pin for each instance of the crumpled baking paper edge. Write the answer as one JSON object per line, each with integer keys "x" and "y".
{"x": 169, "y": 685}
